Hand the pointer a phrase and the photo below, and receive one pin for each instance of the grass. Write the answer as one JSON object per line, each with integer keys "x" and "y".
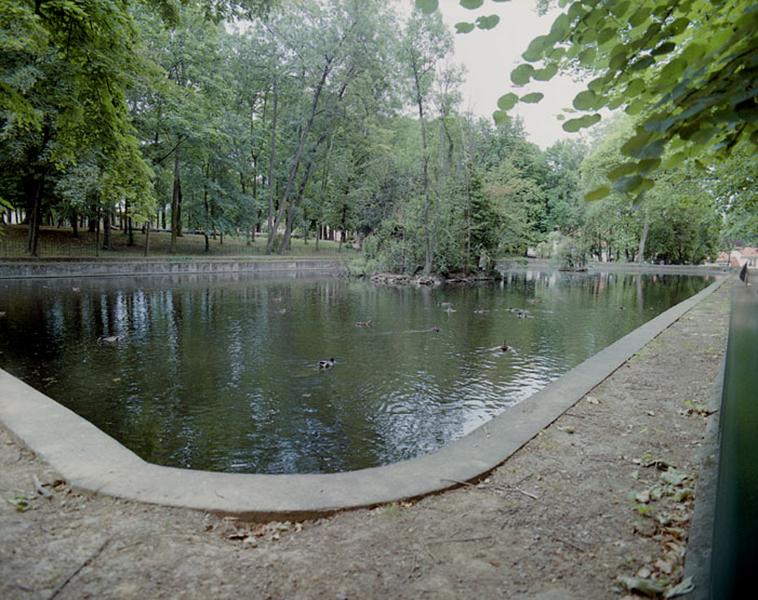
{"x": 60, "y": 243}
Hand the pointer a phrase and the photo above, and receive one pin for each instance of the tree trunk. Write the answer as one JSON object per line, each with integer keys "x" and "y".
{"x": 147, "y": 238}
{"x": 424, "y": 173}
{"x": 283, "y": 205}
{"x": 34, "y": 213}
{"x": 107, "y": 230}
{"x": 176, "y": 199}
{"x": 271, "y": 159}
{"x": 643, "y": 240}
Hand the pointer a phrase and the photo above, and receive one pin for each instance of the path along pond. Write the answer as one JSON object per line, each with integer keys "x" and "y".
{"x": 221, "y": 373}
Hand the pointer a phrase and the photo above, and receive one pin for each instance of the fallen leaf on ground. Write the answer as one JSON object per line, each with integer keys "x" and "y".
{"x": 673, "y": 476}
{"x": 647, "y": 587}
{"x": 685, "y": 587}
{"x": 664, "y": 566}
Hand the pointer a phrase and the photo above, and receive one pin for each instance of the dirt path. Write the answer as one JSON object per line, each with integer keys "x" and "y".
{"x": 556, "y": 521}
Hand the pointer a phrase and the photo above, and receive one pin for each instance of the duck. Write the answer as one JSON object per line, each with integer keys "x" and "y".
{"x": 505, "y": 347}
{"x": 109, "y": 339}
{"x": 363, "y": 323}
{"x": 435, "y": 329}
{"x": 326, "y": 364}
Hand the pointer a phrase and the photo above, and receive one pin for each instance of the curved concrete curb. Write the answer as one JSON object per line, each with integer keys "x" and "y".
{"x": 93, "y": 461}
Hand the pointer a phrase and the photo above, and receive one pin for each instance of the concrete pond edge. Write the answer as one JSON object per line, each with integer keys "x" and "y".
{"x": 92, "y": 461}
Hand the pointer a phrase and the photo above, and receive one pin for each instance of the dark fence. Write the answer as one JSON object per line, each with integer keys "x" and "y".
{"x": 735, "y": 536}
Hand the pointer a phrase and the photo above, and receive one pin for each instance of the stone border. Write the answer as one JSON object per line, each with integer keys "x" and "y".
{"x": 92, "y": 461}
{"x": 49, "y": 269}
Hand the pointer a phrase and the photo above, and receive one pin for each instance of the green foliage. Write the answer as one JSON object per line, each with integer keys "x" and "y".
{"x": 686, "y": 70}
{"x": 569, "y": 255}
{"x": 302, "y": 120}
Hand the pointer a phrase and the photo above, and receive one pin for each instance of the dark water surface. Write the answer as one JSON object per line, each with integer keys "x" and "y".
{"x": 221, "y": 373}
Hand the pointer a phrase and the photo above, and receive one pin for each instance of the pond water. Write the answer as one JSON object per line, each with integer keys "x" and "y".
{"x": 221, "y": 373}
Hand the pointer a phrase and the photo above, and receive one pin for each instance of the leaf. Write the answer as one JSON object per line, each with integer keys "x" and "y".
{"x": 547, "y": 73}
{"x": 464, "y": 27}
{"x": 678, "y": 26}
{"x": 634, "y": 87}
{"x": 574, "y": 125}
{"x": 620, "y": 170}
{"x": 639, "y": 16}
{"x": 521, "y": 74}
{"x": 674, "y": 477}
{"x": 642, "y": 63}
{"x": 664, "y": 48}
{"x": 471, "y": 4}
{"x": 597, "y": 194}
{"x": 628, "y": 183}
{"x": 605, "y": 35}
{"x": 536, "y": 49}
{"x": 500, "y": 117}
{"x": 587, "y": 100}
{"x": 674, "y": 160}
{"x": 635, "y": 143}
{"x": 532, "y": 98}
{"x": 618, "y": 61}
{"x": 560, "y": 28}
{"x": 507, "y": 102}
{"x": 427, "y": 6}
{"x": 684, "y": 587}
{"x": 647, "y": 587}
{"x": 587, "y": 57}
{"x": 487, "y": 22}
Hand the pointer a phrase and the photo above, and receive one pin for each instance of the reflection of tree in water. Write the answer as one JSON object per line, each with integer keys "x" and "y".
{"x": 221, "y": 373}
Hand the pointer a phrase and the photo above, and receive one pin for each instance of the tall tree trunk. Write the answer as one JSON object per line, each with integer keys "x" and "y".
{"x": 107, "y": 229}
{"x": 271, "y": 160}
{"x": 74, "y": 224}
{"x": 34, "y": 212}
{"x": 147, "y": 237}
{"x": 176, "y": 199}
{"x": 97, "y": 233}
{"x": 295, "y": 166}
{"x": 424, "y": 173}
{"x": 643, "y": 240}
{"x": 296, "y": 204}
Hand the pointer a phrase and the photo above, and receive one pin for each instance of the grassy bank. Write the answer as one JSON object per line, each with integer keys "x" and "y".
{"x": 61, "y": 243}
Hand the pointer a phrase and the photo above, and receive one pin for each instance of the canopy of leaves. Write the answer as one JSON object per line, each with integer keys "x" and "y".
{"x": 686, "y": 70}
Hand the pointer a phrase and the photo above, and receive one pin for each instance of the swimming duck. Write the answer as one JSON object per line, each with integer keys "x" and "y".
{"x": 109, "y": 339}
{"x": 363, "y": 323}
{"x": 326, "y": 364}
{"x": 435, "y": 329}
{"x": 505, "y": 347}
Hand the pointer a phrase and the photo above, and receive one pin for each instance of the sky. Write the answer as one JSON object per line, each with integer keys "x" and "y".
{"x": 489, "y": 56}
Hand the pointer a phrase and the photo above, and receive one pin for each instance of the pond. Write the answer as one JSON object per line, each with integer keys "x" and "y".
{"x": 221, "y": 373}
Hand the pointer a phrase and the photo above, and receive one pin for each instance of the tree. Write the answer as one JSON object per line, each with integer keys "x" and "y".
{"x": 66, "y": 67}
{"x": 686, "y": 70}
{"x": 424, "y": 43}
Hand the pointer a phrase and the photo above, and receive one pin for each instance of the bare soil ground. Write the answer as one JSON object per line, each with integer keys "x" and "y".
{"x": 580, "y": 505}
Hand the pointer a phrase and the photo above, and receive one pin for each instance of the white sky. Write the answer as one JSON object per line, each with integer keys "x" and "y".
{"x": 489, "y": 56}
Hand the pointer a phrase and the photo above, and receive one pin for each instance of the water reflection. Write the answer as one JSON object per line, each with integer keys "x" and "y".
{"x": 220, "y": 372}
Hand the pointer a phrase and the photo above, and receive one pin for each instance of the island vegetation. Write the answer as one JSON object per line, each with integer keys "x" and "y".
{"x": 269, "y": 121}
